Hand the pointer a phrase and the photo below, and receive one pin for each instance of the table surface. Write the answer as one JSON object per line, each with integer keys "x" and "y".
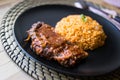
{"x": 105, "y": 4}
{"x": 8, "y": 69}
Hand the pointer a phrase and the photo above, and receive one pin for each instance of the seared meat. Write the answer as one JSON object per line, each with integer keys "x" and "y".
{"x": 48, "y": 44}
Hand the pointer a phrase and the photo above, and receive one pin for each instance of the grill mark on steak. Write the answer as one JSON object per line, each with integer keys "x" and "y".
{"x": 51, "y": 45}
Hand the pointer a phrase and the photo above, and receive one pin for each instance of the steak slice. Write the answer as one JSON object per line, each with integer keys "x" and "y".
{"x": 51, "y": 45}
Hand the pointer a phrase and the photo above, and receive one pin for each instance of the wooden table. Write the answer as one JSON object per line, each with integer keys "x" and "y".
{"x": 8, "y": 69}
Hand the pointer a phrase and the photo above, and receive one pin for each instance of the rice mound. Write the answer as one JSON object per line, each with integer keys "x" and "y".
{"x": 86, "y": 34}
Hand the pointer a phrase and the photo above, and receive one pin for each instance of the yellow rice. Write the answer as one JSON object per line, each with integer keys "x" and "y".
{"x": 86, "y": 34}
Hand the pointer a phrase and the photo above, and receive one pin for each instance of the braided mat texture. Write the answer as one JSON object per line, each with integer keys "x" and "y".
{"x": 27, "y": 64}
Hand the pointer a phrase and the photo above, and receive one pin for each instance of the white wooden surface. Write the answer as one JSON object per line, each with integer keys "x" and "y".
{"x": 8, "y": 69}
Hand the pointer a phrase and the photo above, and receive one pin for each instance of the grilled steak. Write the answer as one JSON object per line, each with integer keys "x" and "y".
{"x": 51, "y": 45}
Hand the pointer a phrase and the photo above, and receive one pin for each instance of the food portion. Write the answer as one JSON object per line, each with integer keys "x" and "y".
{"x": 81, "y": 30}
{"x": 67, "y": 41}
{"x": 52, "y": 46}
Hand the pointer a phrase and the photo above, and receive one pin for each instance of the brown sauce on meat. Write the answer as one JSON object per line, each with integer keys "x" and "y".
{"x": 51, "y": 45}
{"x": 52, "y": 38}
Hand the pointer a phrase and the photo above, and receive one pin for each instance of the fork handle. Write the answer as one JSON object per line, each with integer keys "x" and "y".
{"x": 117, "y": 18}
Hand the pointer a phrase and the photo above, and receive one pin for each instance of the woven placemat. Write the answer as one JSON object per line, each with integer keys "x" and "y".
{"x": 27, "y": 64}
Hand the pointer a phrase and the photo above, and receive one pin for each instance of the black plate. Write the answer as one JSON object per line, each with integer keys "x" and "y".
{"x": 100, "y": 61}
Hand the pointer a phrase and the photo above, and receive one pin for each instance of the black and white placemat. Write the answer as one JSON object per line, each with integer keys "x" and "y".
{"x": 28, "y": 65}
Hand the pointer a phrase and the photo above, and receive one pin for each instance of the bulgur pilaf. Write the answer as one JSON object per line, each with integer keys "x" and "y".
{"x": 81, "y": 30}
